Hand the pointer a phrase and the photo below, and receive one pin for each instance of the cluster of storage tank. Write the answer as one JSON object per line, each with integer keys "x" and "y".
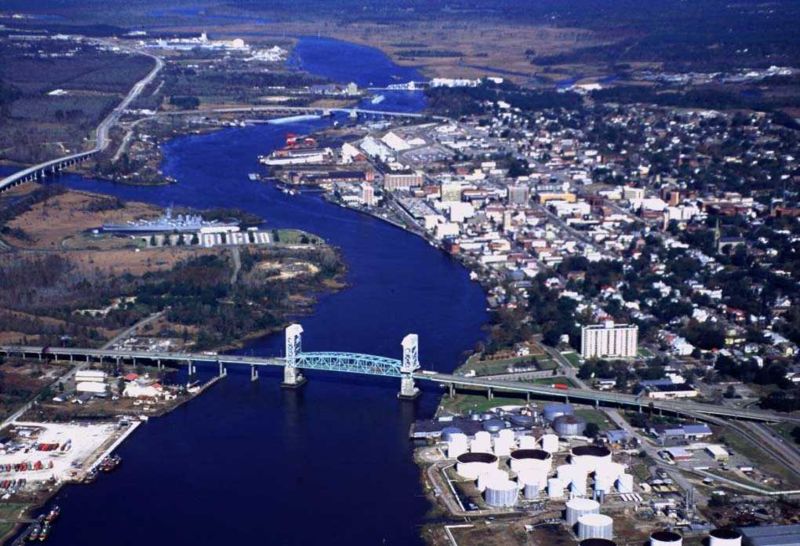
{"x": 717, "y": 537}
{"x": 532, "y": 462}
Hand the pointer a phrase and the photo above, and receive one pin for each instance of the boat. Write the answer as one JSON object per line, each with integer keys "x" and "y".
{"x": 167, "y": 223}
{"x": 34, "y": 534}
{"x": 53, "y": 514}
{"x": 110, "y": 463}
{"x": 378, "y": 99}
{"x": 44, "y": 532}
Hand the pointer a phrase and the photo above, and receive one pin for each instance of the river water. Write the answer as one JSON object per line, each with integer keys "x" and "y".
{"x": 249, "y": 463}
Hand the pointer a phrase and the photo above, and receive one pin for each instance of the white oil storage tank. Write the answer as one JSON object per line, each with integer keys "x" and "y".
{"x": 472, "y": 465}
{"x": 724, "y": 537}
{"x": 591, "y": 457}
{"x": 597, "y": 542}
{"x": 625, "y": 483}
{"x": 579, "y": 507}
{"x": 532, "y": 476}
{"x": 530, "y": 458}
{"x": 501, "y": 493}
{"x": 595, "y": 526}
{"x": 555, "y": 488}
{"x": 666, "y": 538}
{"x": 493, "y": 474}
{"x": 550, "y": 443}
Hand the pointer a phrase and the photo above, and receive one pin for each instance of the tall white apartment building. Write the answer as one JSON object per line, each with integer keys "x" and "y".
{"x": 609, "y": 340}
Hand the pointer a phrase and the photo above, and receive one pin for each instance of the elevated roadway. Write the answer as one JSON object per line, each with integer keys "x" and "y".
{"x": 686, "y": 408}
{"x": 53, "y": 166}
{"x": 388, "y": 367}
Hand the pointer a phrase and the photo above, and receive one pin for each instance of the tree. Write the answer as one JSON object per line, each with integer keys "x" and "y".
{"x": 592, "y": 430}
{"x": 730, "y": 392}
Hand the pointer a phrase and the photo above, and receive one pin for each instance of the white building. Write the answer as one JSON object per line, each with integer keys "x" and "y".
{"x": 609, "y": 340}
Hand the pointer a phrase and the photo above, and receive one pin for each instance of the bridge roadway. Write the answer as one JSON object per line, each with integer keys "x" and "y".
{"x": 101, "y": 134}
{"x": 693, "y": 410}
{"x": 388, "y": 367}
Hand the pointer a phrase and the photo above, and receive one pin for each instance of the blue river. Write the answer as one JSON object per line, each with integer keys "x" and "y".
{"x": 249, "y": 463}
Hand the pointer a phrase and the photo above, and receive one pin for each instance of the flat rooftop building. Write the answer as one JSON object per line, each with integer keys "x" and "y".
{"x": 771, "y": 535}
{"x": 609, "y": 340}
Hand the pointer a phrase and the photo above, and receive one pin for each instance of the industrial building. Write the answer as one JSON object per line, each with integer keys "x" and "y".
{"x": 609, "y": 340}
{"x": 771, "y": 535}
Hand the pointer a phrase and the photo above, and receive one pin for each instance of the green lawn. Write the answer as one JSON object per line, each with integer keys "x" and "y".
{"x": 499, "y": 366}
{"x": 745, "y": 447}
{"x": 645, "y": 353}
{"x": 462, "y": 403}
{"x": 9, "y": 512}
{"x": 573, "y": 358}
{"x": 594, "y": 416}
{"x": 295, "y": 237}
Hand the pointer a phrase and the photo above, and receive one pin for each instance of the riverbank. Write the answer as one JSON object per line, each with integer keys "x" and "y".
{"x": 396, "y": 284}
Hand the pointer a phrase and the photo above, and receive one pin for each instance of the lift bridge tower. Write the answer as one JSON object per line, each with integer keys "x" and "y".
{"x": 408, "y": 366}
{"x": 292, "y": 378}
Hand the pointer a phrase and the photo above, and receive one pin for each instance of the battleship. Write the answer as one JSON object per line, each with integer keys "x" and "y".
{"x": 168, "y": 223}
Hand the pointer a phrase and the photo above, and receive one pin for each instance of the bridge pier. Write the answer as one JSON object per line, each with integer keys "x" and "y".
{"x": 451, "y": 390}
{"x": 409, "y": 364}
{"x": 490, "y": 394}
{"x": 253, "y": 373}
{"x": 292, "y": 377}
{"x": 192, "y": 369}
{"x": 222, "y": 371}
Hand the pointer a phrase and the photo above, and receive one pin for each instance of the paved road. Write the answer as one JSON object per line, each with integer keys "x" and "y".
{"x": 101, "y": 133}
{"x": 652, "y": 452}
{"x": 693, "y": 410}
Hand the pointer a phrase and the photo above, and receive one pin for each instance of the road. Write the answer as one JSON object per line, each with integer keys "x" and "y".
{"x": 71, "y": 373}
{"x": 376, "y": 365}
{"x": 101, "y": 133}
{"x": 693, "y": 410}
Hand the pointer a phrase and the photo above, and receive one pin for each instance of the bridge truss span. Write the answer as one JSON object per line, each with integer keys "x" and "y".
{"x": 349, "y": 363}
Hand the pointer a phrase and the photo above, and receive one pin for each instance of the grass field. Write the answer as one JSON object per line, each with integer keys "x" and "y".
{"x": 8, "y": 513}
{"x": 745, "y": 447}
{"x": 295, "y": 237}
{"x": 462, "y": 403}
{"x": 573, "y": 358}
{"x": 594, "y": 416}
{"x": 501, "y": 365}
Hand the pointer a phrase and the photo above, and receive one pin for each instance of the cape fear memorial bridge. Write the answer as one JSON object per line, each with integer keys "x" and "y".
{"x": 407, "y": 369}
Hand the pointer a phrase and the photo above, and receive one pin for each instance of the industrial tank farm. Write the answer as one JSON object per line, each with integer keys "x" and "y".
{"x": 493, "y": 464}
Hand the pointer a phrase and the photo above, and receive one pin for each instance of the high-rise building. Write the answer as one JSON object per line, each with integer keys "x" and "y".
{"x": 609, "y": 340}
{"x": 401, "y": 180}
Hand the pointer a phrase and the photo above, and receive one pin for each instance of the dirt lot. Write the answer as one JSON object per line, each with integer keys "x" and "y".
{"x": 60, "y": 221}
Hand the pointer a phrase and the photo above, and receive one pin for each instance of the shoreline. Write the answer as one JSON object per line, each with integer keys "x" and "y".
{"x": 17, "y": 532}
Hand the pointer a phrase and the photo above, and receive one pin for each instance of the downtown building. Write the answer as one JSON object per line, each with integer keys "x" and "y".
{"x": 609, "y": 340}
